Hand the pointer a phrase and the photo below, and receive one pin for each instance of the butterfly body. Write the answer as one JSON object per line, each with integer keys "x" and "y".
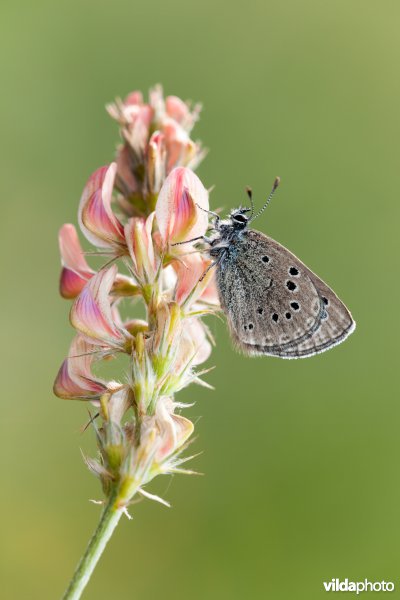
{"x": 273, "y": 303}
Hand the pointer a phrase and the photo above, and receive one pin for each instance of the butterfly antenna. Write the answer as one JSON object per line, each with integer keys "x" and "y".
{"x": 249, "y": 192}
{"x": 276, "y": 183}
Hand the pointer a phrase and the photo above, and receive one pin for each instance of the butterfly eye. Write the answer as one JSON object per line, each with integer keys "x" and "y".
{"x": 240, "y": 218}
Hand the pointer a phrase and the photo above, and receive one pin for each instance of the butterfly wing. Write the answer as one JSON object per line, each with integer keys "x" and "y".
{"x": 274, "y": 304}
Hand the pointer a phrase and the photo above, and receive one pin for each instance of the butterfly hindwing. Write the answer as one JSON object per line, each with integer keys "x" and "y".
{"x": 274, "y": 304}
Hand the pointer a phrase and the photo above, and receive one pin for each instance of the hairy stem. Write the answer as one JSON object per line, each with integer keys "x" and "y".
{"x": 108, "y": 522}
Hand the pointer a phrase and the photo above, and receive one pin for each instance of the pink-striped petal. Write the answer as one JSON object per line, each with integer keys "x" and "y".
{"x": 180, "y": 148}
{"x": 178, "y": 215}
{"x": 74, "y": 379}
{"x": 96, "y": 218}
{"x": 118, "y": 404}
{"x": 91, "y": 313}
{"x": 134, "y": 98}
{"x": 174, "y": 429}
{"x": 157, "y": 103}
{"x": 125, "y": 180}
{"x": 71, "y": 284}
{"x": 181, "y": 113}
{"x": 72, "y": 255}
{"x": 195, "y": 334}
{"x": 210, "y": 293}
{"x": 190, "y": 270}
{"x": 177, "y": 109}
{"x": 137, "y": 128}
{"x": 140, "y": 245}
{"x": 156, "y": 161}
{"x": 136, "y": 119}
{"x": 76, "y": 272}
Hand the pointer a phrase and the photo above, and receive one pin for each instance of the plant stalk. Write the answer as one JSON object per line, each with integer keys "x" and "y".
{"x": 108, "y": 522}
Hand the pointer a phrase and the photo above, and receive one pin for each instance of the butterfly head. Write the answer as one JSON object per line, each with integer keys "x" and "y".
{"x": 238, "y": 218}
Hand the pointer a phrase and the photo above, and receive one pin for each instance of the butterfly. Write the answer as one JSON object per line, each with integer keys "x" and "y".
{"x": 273, "y": 303}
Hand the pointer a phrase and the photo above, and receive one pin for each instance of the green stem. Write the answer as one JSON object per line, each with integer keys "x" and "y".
{"x": 108, "y": 522}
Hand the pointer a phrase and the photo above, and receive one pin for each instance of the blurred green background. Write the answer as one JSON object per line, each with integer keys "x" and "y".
{"x": 301, "y": 458}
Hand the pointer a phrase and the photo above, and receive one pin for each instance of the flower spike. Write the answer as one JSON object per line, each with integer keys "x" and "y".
{"x": 133, "y": 211}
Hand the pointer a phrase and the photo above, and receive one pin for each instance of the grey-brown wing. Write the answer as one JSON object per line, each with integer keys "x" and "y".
{"x": 336, "y": 325}
{"x": 274, "y": 304}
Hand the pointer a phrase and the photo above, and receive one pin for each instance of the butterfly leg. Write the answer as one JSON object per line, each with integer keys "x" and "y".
{"x": 210, "y": 266}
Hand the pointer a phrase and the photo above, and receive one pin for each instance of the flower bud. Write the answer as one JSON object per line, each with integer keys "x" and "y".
{"x": 181, "y": 112}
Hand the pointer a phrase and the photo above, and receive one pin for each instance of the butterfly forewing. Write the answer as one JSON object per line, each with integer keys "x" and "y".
{"x": 274, "y": 303}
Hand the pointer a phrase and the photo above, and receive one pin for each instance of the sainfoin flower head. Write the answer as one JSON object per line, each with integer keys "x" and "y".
{"x": 133, "y": 211}
{"x": 140, "y": 214}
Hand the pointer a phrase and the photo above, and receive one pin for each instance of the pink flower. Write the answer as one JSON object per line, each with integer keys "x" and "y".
{"x": 177, "y": 212}
{"x": 137, "y": 131}
{"x": 134, "y": 98}
{"x": 172, "y": 107}
{"x": 194, "y": 343}
{"x": 156, "y": 161}
{"x": 96, "y": 218}
{"x": 74, "y": 379}
{"x": 140, "y": 245}
{"x": 135, "y": 118}
{"x": 118, "y": 403}
{"x": 190, "y": 269}
{"x": 92, "y": 314}
{"x": 179, "y": 111}
{"x": 181, "y": 150}
{"x": 168, "y": 330}
{"x": 209, "y": 293}
{"x": 174, "y": 430}
{"x": 75, "y": 272}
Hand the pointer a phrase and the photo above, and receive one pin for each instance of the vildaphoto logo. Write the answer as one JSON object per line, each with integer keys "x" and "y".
{"x": 335, "y": 585}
